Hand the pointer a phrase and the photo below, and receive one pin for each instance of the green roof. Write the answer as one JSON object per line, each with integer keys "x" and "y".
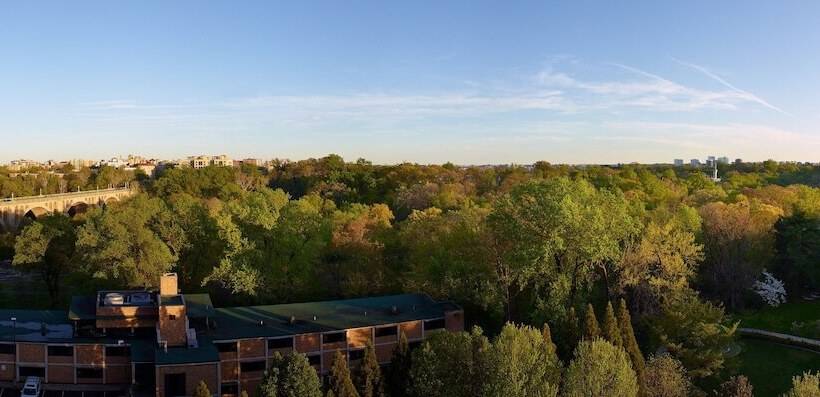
{"x": 83, "y": 308}
{"x": 35, "y": 325}
{"x": 299, "y": 318}
{"x": 203, "y": 353}
{"x": 199, "y": 305}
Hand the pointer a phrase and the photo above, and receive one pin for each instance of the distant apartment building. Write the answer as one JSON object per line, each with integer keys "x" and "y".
{"x": 723, "y": 160}
{"x": 253, "y": 162}
{"x": 163, "y": 343}
{"x": 22, "y": 164}
{"x": 678, "y": 162}
{"x": 694, "y": 163}
{"x": 204, "y": 161}
{"x": 81, "y": 163}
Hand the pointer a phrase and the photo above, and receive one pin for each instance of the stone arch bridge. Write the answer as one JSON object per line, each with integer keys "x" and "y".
{"x": 14, "y": 210}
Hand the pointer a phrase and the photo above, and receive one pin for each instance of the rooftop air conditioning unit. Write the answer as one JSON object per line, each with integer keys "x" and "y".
{"x": 114, "y": 299}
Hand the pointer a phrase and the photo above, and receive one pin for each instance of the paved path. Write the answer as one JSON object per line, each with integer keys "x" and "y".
{"x": 800, "y": 341}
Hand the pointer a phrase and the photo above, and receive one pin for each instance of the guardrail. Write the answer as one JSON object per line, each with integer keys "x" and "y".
{"x": 24, "y": 199}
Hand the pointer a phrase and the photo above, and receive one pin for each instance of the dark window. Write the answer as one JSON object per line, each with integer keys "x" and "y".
{"x": 226, "y": 347}
{"x": 172, "y": 317}
{"x": 314, "y": 359}
{"x": 8, "y": 348}
{"x": 387, "y": 331}
{"x": 252, "y": 366}
{"x": 117, "y": 351}
{"x": 230, "y": 388}
{"x": 32, "y": 371}
{"x": 90, "y": 373}
{"x": 335, "y": 337}
{"x": 281, "y": 343}
{"x": 357, "y": 354}
{"x": 430, "y": 325}
{"x": 66, "y": 351}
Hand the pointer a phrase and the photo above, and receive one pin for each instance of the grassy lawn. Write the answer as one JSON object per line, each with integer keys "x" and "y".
{"x": 796, "y": 318}
{"x": 770, "y": 366}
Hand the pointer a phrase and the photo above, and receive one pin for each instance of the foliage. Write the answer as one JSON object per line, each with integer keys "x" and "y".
{"x": 340, "y": 382}
{"x": 695, "y": 332}
{"x": 202, "y": 390}
{"x": 451, "y": 365}
{"x": 130, "y": 243}
{"x": 521, "y": 363}
{"x": 736, "y": 386}
{"x": 630, "y": 344}
{"x": 798, "y": 252}
{"x": 591, "y": 328}
{"x": 290, "y": 376}
{"x": 599, "y": 369}
{"x": 665, "y": 377}
{"x": 47, "y": 246}
{"x": 369, "y": 380}
{"x": 398, "y": 381}
{"x": 806, "y": 385}
{"x": 611, "y": 331}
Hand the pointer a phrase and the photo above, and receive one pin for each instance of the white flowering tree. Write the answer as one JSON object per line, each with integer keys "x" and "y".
{"x": 771, "y": 290}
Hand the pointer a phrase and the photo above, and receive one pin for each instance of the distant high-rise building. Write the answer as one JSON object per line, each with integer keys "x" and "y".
{"x": 694, "y": 163}
{"x": 678, "y": 162}
{"x": 204, "y": 161}
{"x": 723, "y": 160}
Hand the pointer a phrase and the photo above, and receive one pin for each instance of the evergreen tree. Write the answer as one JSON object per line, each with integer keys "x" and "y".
{"x": 572, "y": 333}
{"x": 591, "y": 328}
{"x": 611, "y": 331}
{"x": 202, "y": 390}
{"x": 630, "y": 344}
{"x": 330, "y": 393}
{"x": 399, "y": 372}
{"x": 599, "y": 369}
{"x": 340, "y": 383}
{"x": 369, "y": 376}
{"x": 546, "y": 334}
{"x": 290, "y": 376}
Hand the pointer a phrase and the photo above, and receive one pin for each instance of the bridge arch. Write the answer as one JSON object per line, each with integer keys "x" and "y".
{"x": 110, "y": 200}
{"x": 77, "y": 208}
{"x": 36, "y": 212}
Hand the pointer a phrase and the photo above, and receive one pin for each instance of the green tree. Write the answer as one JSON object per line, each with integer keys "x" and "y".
{"x": 628, "y": 337}
{"x": 611, "y": 330}
{"x": 546, "y": 334}
{"x": 451, "y": 364}
{"x": 290, "y": 376}
{"x": 696, "y": 333}
{"x": 599, "y": 369}
{"x": 560, "y": 233}
{"x": 521, "y": 363}
{"x": 665, "y": 377}
{"x": 660, "y": 265}
{"x": 369, "y": 375}
{"x": 398, "y": 383}
{"x": 202, "y": 390}
{"x": 591, "y": 328}
{"x": 131, "y": 242}
{"x": 806, "y": 385}
{"x": 798, "y": 252}
{"x": 47, "y": 247}
{"x": 736, "y": 386}
{"x": 340, "y": 382}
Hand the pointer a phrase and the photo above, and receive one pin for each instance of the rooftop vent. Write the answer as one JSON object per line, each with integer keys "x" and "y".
{"x": 394, "y": 310}
{"x": 261, "y": 323}
{"x": 292, "y": 320}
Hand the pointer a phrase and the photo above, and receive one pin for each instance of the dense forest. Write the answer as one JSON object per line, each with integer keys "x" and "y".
{"x": 536, "y": 256}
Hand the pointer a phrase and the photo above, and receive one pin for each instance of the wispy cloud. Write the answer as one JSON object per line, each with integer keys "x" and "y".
{"x": 743, "y": 93}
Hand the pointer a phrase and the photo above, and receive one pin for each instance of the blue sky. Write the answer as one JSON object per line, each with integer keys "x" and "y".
{"x": 468, "y": 82}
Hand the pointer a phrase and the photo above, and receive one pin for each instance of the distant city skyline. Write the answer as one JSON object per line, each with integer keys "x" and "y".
{"x": 425, "y": 82}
